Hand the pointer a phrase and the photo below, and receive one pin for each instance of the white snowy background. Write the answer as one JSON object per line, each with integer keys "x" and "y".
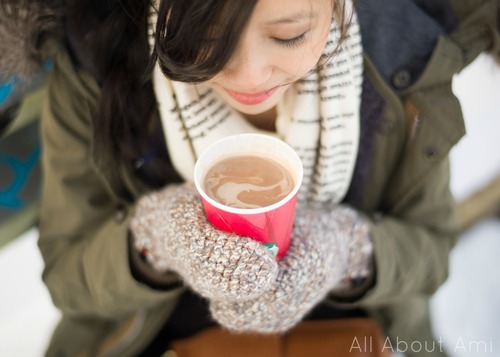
{"x": 465, "y": 311}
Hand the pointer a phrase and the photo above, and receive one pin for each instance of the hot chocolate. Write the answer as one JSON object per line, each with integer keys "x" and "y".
{"x": 248, "y": 181}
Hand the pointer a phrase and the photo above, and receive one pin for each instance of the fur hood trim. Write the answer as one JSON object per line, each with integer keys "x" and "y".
{"x": 25, "y": 25}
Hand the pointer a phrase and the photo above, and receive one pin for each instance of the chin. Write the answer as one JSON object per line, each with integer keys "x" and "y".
{"x": 253, "y": 109}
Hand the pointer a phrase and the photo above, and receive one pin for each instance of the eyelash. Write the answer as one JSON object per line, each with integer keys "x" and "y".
{"x": 291, "y": 42}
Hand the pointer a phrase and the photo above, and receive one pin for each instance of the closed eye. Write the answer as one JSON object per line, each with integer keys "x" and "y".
{"x": 290, "y": 42}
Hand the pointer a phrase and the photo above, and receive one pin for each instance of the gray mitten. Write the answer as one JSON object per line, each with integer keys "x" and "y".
{"x": 326, "y": 249}
{"x": 169, "y": 227}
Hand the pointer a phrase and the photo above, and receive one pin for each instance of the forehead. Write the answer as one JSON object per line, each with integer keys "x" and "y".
{"x": 276, "y": 12}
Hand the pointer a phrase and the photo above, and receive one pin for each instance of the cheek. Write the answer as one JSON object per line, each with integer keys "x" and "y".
{"x": 217, "y": 81}
{"x": 303, "y": 62}
{"x": 303, "y": 65}
{"x": 307, "y": 59}
{"x": 320, "y": 40}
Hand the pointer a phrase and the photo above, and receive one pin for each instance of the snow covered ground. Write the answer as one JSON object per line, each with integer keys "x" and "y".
{"x": 466, "y": 310}
{"x": 27, "y": 316}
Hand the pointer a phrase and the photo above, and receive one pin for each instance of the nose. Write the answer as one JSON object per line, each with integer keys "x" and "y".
{"x": 249, "y": 70}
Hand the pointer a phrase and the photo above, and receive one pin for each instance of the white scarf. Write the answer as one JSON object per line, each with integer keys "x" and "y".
{"x": 318, "y": 116}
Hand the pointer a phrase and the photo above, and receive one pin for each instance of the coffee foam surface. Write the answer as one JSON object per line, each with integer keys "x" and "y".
{"x": 248, "y": 181}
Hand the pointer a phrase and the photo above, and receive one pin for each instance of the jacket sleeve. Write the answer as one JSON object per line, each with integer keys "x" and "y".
{"x": 413, "y": 243}
{"x": 83, "y": 226}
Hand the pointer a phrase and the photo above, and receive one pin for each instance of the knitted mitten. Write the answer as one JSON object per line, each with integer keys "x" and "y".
{"x": 326, "y": 249}
{"x": 169, "y": 227}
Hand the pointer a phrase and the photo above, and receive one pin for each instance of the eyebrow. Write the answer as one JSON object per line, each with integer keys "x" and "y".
{"x": 298, "y": 17}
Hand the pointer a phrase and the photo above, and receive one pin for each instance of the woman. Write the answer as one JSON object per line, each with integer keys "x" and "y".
{"x": 138, "y": 90}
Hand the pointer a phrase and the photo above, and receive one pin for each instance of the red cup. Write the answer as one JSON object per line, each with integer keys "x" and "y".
{"x": 270, "y": 225}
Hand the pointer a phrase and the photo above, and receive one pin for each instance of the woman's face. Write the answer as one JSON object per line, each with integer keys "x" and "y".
{"x": 282, "y": 42}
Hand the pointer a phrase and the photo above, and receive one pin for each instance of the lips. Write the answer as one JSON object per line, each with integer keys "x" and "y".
{"x": 251, "y": 98}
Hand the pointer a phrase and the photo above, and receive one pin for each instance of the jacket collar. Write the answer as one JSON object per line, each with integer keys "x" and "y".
{"x": 399, "y": 36}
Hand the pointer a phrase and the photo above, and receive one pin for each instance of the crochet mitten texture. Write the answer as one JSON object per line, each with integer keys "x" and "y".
{"x": 170, "y": 229}
{"x": 326, "y": 249}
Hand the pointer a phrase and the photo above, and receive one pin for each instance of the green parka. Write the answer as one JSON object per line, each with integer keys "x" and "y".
{"x": 406, "y": 199}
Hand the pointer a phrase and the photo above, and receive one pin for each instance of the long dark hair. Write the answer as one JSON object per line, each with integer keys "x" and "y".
{"x": 196, "y": 47}
{"x": 109, "y": 39}
{"x": 194, "y": 40}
